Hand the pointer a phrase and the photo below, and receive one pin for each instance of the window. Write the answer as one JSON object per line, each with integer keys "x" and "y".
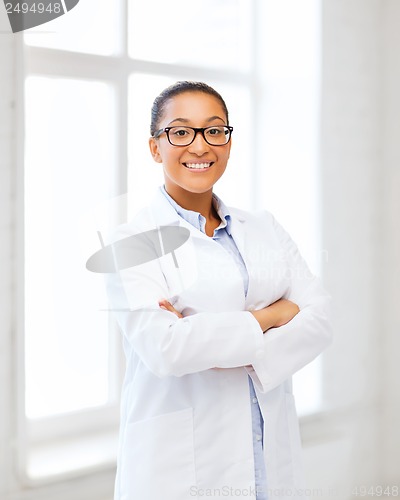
{"x": 69, "y": 169}
{"x": 72, "y": 364}
{"x": 89, "y": 80}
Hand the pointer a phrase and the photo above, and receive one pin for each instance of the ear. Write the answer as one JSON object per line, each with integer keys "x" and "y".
{"x": 155, "y": 150}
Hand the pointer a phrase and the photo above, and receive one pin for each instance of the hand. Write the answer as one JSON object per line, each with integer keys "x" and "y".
{"x": 284, "y": 310}
{"x": 164, "y": 304}
{"x": 277, "y": 314}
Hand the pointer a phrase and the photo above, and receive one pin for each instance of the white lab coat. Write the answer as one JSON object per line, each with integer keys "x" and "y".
{"x": 185, "y": 416}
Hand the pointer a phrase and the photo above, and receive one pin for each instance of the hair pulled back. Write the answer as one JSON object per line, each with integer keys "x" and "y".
{"x": 175, "y": 89}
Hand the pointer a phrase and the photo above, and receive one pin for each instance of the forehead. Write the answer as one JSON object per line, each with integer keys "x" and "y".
{"x": 193, "y": 106}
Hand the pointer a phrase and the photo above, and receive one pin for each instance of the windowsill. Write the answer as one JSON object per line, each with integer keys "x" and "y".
{"x": 71, "y": 457}
{"x": 61, "y": 459}
{"x": 328, "y": 424}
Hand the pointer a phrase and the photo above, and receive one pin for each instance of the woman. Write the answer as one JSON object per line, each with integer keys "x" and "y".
{"x": 212, "y": 330}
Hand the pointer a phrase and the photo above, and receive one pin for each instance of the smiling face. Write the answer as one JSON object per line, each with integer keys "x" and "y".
{"x": 191, "y": 109}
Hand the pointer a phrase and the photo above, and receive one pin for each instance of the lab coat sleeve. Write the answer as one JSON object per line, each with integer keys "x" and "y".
{"x": 289, "y": 348}
{"x": 169, "y": 345}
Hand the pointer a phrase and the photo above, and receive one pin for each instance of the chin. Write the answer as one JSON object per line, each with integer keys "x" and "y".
{"x": 197, "y": 189}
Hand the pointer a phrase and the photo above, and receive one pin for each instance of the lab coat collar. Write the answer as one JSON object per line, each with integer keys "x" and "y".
{"x": 164, "y": 214}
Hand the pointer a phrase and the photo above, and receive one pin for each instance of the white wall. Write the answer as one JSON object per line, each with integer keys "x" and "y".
{"x": 7, "y": 116}
{"x": 390, "y": 246}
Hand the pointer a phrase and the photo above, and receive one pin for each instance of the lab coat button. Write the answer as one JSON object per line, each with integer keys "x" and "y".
{"x": 251, "y": 307}
{"x": 259, "y": 353}
{"x": 255, "y": 400}
{"x": 258, "y": 437}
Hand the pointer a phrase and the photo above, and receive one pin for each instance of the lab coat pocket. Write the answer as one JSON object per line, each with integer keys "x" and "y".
{"x": 158, "y": 459}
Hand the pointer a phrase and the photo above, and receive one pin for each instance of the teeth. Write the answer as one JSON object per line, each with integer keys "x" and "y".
{"x": 197, "y": 165}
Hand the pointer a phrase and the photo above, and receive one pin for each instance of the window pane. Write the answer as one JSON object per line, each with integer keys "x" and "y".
{"x": 69, "y": 162}
{"x": 307, "y": 386}
{"x": 144, "y": 175}
{"x": 206, "y": 33}
{"x": 288, "y": 142}
{"x": 91, "y": 26}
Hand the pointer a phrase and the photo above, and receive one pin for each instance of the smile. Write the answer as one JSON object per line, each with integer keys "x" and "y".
{"x": 198, "y": 166}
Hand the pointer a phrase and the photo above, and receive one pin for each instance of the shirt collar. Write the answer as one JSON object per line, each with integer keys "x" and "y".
{"x": 198, "y": 220}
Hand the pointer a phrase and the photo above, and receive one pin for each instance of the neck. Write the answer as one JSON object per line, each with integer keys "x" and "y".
{"x": 198, "y": 202}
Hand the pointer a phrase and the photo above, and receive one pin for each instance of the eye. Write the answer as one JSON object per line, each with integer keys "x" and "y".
{"x": 215, "y": 131}
{"x": 179, "y": 131}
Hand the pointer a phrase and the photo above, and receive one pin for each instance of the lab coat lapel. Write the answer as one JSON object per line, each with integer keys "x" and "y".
{"x": 239, "y": 231}
{"x": 181, "y": 270}
{"x": 164, "y": 214}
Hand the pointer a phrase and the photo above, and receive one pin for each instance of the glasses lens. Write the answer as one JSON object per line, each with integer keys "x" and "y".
{"x": 217, "y": 136}
{"x": 181, "y": 136}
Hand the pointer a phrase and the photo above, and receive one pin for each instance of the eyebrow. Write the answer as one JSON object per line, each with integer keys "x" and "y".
{"x": 185, "y": 120}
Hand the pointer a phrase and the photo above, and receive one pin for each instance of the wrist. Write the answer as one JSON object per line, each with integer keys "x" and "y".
{"x": 266, "y": 318}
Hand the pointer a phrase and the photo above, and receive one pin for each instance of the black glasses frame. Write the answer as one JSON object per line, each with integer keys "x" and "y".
{"x": 196, "y": 131}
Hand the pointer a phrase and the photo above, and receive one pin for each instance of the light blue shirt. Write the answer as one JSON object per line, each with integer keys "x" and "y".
{"x": 222, "y": 234}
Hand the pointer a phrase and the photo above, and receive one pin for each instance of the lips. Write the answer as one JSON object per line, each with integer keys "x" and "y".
{"x": 198, "y": 166}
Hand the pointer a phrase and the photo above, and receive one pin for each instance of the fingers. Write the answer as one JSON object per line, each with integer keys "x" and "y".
{"x": 167, "y": 306}
{"x": 164, "y": 304}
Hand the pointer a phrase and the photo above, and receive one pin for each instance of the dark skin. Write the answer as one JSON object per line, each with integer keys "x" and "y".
{"x": 192, "y": 188}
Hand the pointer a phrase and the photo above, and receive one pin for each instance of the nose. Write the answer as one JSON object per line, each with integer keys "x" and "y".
{"x": 199, "y": 146}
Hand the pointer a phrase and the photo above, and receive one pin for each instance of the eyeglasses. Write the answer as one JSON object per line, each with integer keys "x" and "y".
{"x": 183, "y": 136}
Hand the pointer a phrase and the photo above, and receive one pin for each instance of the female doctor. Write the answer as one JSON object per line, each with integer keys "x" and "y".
{"x": 213, "y": 330}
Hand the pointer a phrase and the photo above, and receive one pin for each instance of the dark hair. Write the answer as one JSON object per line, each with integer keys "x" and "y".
{"x": 177, "y": 88}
